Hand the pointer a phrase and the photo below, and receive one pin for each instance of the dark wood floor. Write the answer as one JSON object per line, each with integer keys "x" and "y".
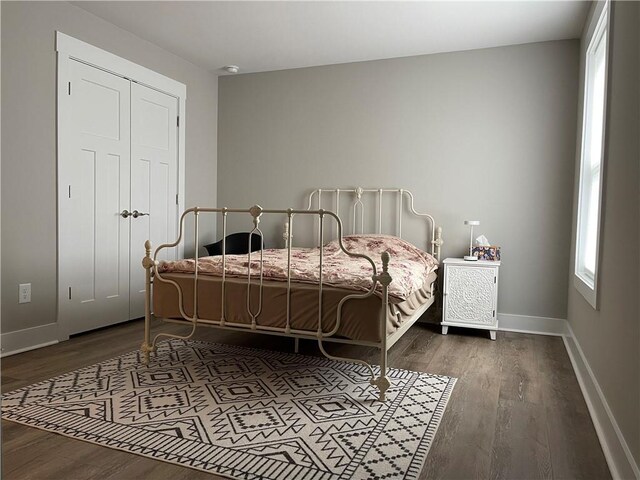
{"x": 516, "y": 412}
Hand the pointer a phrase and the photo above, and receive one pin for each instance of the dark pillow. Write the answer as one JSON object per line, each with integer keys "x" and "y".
{"x": 236, "y": 244}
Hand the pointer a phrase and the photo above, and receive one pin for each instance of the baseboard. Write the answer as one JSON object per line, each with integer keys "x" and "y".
{"x": 28, "y": 339}
{"x": 508, "y": 322}
{"x": 615, "y": 448}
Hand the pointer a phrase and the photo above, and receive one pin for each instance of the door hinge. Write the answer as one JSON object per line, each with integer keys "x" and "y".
{"x": 176, "y": 199}
{"x": 495, "y": 279}
{"x": 69, "y": 293}
{"x": 69, "y": 86}
{"x": 178, "y": 121}
{"x": 494, "y": 313}
{"x": 69, "y": 191}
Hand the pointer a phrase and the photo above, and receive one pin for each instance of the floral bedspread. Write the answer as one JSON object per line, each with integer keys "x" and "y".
{"x": 409, "y": 266}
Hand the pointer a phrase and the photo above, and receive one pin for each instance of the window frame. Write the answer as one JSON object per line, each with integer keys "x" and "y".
{"x": 586, "y": 281}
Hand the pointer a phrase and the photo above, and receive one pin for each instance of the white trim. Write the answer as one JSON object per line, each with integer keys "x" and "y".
{"x": 590, "y": 293}
{"x": 63, "y": 122}
{"x": 509, "y": 322}
{"x": 599, "y": 26}
{"x": 68, "y": 49}
{"x": 615, "y": 448}
{"x": 86, "y": 53}
{"x": 28, "y": 339}
{"x": 180, "y": 207}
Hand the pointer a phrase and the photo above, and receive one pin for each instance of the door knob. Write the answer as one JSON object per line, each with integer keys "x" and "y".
{"x": 125, "y": 213}
{"x": 137, "y": 214}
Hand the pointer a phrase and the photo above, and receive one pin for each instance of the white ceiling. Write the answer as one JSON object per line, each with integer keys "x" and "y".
{"x": 263, "y": 36}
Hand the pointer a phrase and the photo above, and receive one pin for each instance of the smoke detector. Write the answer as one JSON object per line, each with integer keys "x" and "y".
{"x": 231, "y": 69}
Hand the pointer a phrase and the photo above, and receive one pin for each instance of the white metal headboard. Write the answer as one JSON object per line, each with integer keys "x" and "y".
{"x": 356, "y": 195}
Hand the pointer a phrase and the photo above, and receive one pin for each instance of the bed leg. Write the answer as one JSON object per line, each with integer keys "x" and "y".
{"x": 296, "y": 345}
{"x": 147, "y": 263}
{"x": 382, "y": 382}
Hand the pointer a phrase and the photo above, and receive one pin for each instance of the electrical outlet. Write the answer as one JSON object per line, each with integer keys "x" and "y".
{"x": 24, "y": 293}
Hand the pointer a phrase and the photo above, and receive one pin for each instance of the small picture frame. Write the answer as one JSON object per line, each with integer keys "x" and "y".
{"x": 491, "y": 252}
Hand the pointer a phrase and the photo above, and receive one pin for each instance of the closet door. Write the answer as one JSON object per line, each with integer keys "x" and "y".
{"x": 154, "y": 182}
{"x": 94, "y": 237}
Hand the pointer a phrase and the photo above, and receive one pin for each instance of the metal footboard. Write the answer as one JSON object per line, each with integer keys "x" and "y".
{"x": 152, "y": 274}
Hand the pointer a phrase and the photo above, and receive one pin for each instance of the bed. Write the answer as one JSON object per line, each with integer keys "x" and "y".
{"x": 359, "y": 288}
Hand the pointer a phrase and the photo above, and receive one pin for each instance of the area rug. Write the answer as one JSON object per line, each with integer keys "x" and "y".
{"x": 243, "y": 413}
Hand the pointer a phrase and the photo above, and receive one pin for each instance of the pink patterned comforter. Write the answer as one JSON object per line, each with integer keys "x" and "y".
{"x": 409, "y": 266}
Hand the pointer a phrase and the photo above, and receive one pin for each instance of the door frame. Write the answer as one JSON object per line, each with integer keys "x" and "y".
{"x": 71, "y": 49}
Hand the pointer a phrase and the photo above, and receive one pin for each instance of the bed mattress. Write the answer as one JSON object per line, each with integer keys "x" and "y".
{"x": 360, "y": 319}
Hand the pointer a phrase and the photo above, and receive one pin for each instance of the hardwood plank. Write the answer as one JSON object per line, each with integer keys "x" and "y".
{"x": 520, "y": 379}
{"x": 32, "y": 449}
{"x": 462, "y": 447}
{"x": 557, "y": 376}
{"x": 573, "y": 442}
{"x": 21, "y": 447}
{"x": 520, "y": 448}
{"x": 421, "y": 348}
{"x": 575, "y": 450}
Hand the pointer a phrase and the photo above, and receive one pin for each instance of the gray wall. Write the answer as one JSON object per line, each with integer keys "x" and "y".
{"x": 610, "y": 336}
{"x": 29, "y": 141}
{"x": 485, "y": 134}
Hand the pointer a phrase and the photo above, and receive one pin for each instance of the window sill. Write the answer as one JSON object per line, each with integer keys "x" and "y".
{"x": 589, "y": 293}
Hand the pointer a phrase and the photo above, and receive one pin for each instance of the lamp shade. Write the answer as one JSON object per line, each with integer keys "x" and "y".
{"x": 473, "y": 223}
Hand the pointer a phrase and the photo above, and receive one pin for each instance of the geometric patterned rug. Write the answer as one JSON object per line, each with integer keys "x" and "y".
{"x": 243, "y": 413}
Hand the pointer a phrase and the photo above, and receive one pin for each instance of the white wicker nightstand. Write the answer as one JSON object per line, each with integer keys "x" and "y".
{"x": 470, "y": 295}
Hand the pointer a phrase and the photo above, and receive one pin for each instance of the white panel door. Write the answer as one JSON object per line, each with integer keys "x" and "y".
{"x": 154, "y": 182}
{"x": 94, "y": 238}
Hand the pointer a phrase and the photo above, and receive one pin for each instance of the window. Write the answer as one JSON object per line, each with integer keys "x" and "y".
{"x": 590, "y": 188}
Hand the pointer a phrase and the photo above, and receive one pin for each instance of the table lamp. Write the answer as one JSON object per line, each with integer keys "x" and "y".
{"x": 472, "y": 223}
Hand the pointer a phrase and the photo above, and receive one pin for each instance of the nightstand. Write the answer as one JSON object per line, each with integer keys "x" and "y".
{"x": 470, "y": 295}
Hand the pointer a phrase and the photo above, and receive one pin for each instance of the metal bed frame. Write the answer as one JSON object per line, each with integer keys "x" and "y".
{"x": 382, "y": 382}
